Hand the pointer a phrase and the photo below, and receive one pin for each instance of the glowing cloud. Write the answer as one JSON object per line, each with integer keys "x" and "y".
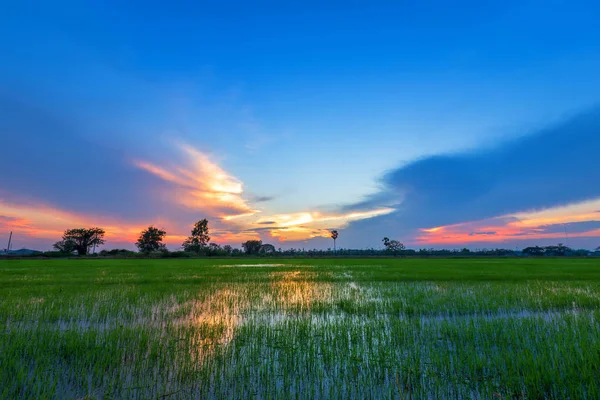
{"x": 202, "y": 184}
{"x": 306, "y": 225}
{"x": 41, "y": 221}
{"x": 552, "y": 223}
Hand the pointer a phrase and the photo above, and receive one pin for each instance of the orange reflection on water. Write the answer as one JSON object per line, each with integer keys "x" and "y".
{"x": 297, "y": 290}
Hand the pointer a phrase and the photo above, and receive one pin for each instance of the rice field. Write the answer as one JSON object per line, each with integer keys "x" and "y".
{"x": 300, "y": 329}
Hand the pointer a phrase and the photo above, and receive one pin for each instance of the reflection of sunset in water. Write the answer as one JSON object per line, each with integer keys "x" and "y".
{"x": 214, "y": 320}
{"x": 297, "y": 290}
{"x": 211, "y": 323}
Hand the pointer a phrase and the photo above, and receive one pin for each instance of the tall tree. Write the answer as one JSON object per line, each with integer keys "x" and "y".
{"x": 199, "y": 238}
{"x": 80, "y": 240}
{"x": 252, "y": 246}
{"x": 150, "y": 240}
{"x": 334, "y": 236}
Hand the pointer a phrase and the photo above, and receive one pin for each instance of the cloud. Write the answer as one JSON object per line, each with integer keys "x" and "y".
{"x": 574, "y": 221}
{"x": 46, "y": 223}
{"x": 483, "y": 233}
{"x": 309, "y": 225}
{"x": 262, "y": 199}
{"x": 553, "y": 167}
{"x": 572, "y": 227}
{"x": 202, "y": 184}
{"x": 43, "y": 156}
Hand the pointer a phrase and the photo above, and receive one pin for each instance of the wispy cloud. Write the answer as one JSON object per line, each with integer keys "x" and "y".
{"x": 574, "y": 220}
{"x": 202, "y": 184}
{"x": 308, "y": 225}
{"x": 47, "y": 223}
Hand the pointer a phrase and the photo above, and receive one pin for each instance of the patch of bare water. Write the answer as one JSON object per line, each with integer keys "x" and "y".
{"x": 252, "y": 265}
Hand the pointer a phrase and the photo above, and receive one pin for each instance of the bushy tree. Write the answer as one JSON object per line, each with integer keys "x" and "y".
{"x": 199, "y": 238}
{"x": 534, "y": 251}
{"x": 252, "y": 246}
{"x": 117, "y": 253}
{"x": 150, "y": 240}
{"x": 64, "y": 246}
{"x": 80, "y": 240}
{"x": 560, "y": 250}
{"x": 393, "y": 246}
{"x": 267, "y": 249}
{"x": 213, "y": 249}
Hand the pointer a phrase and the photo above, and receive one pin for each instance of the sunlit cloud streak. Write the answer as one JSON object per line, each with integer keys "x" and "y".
{"x": 40, "y": 221}
{"x": 560, "y": 223}
{"x": 202, "y": 184}
{"x": 308, "y": 225}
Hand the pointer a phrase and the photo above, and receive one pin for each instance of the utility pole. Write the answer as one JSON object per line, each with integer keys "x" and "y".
{"x": 9, "y": 240}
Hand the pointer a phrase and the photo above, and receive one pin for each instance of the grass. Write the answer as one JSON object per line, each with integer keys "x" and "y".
{"x": 331, "y": 328}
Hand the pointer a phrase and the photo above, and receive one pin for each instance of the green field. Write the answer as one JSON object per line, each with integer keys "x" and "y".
{"x": 332, "y": 328}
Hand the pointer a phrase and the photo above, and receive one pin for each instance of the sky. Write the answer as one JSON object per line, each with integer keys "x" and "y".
{"x": 463, "y": 124}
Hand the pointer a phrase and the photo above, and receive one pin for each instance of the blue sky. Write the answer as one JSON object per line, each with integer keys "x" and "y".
{"x": 310, "y": 116}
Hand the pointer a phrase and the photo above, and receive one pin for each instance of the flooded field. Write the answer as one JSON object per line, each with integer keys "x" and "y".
{"x": 197, "y": 329}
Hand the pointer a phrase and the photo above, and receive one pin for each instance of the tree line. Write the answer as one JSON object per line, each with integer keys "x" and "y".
{"x": 151, "y": 240}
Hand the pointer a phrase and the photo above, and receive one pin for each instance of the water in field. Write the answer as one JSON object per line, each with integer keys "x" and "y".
{"x": 285, "y": 331}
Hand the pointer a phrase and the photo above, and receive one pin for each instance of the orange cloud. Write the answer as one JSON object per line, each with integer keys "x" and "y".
{"x": 317, "y": 219}
{"x": 307, "y": 225}
{"x": 45, "y": 222}
{"x": 202, "y": 184}
{"x": 518, "y": 226}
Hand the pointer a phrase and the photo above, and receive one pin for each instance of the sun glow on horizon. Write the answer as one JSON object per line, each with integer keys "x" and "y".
{"x": 207, "y": 191}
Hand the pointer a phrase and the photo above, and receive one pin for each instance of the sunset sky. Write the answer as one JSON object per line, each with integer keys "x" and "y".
{"x": 439, "y": 124}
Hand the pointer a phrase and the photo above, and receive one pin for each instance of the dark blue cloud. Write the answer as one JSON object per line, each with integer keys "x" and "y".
{"x": 554, "y": 166}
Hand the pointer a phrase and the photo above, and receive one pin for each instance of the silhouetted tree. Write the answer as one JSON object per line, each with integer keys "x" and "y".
{"x": 65, "y": 246}
{"x": 267, "y": 249}
{"x": 334, "y": 236}
{"x": 80, "y": 240}
{"x": 392, "y": 246}
{"x": 534, "y": 251}
{"x": 151, "y": 239}
{"x": 213, "y": 249}
{"x": 560, "y": 250}
{"x": 199, "y": 239}
{"x": 252, "y": 246}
